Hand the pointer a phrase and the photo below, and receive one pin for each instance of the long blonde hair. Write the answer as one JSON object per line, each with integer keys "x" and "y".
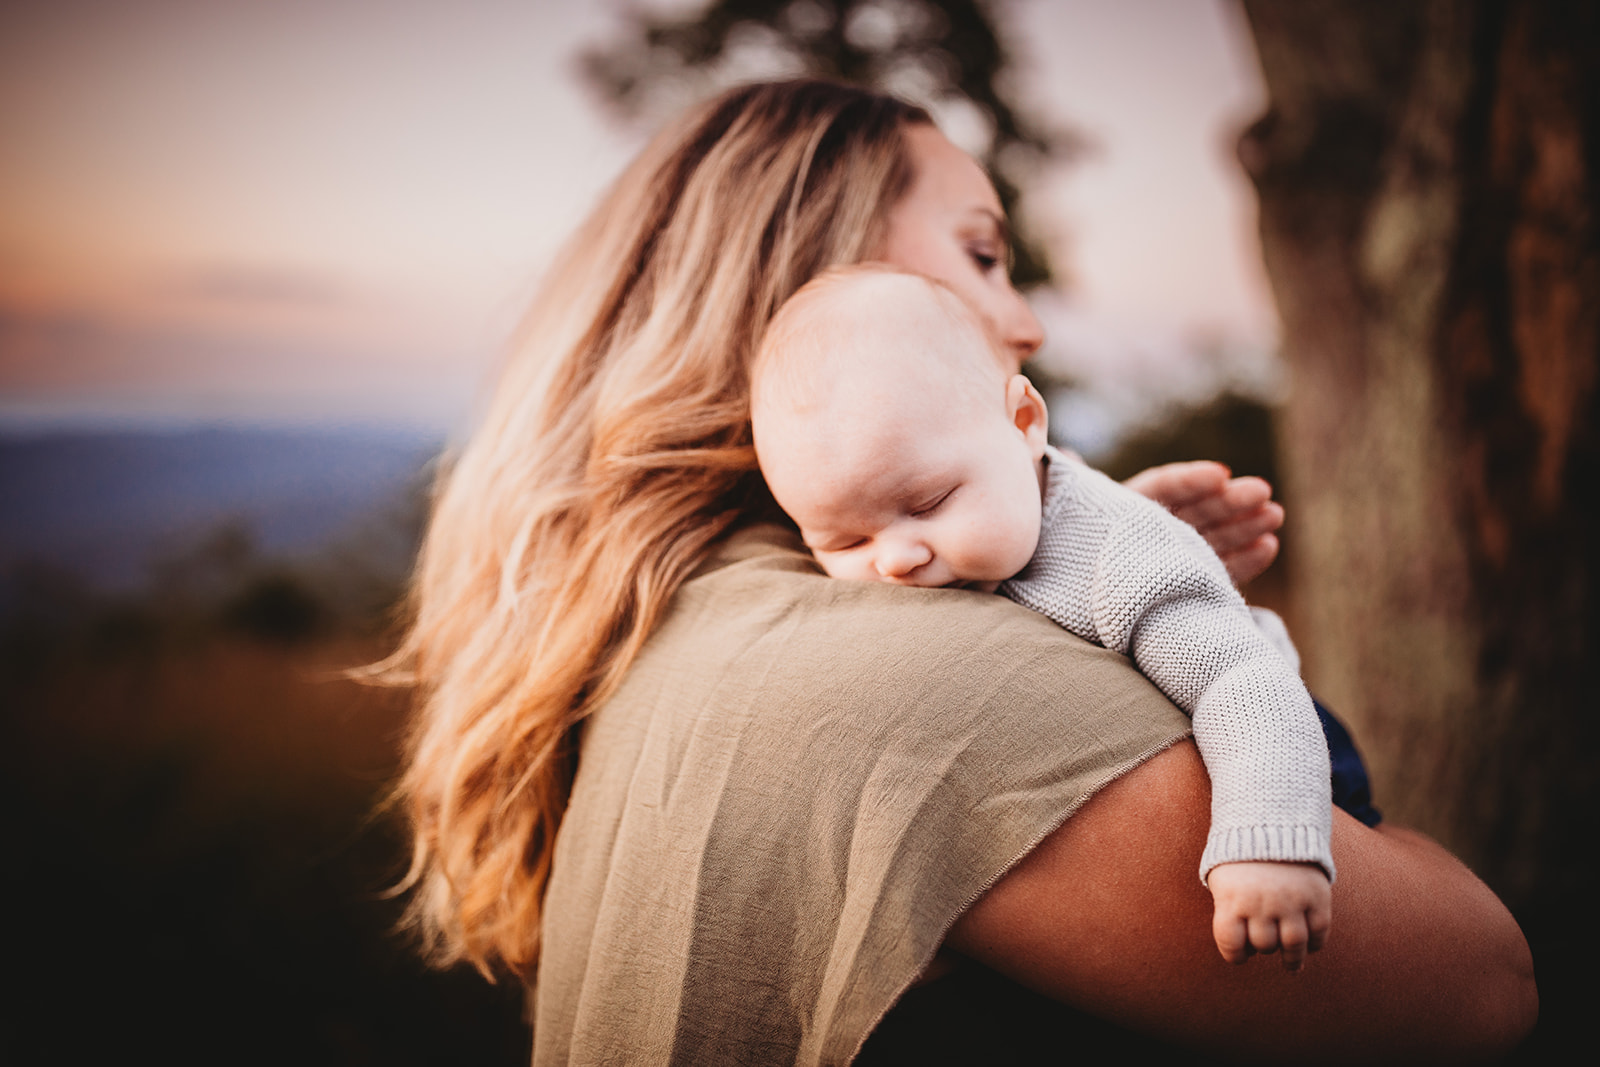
{"x": 616, "y": 451}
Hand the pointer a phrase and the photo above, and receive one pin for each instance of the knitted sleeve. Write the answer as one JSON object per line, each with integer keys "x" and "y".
{"x": 1117, "y": 569}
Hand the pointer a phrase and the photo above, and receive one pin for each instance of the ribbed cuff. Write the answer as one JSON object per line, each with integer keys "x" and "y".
{"x": 1277, "y": 844}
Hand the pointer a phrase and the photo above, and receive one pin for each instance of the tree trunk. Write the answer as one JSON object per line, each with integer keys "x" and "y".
{"x": 1429, "y": 178}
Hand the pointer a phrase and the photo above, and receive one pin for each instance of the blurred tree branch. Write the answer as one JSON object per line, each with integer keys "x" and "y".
{"x": 947, "y": 55}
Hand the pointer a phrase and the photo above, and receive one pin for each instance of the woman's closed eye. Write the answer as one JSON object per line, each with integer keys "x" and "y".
{"x": 986, "y": 257}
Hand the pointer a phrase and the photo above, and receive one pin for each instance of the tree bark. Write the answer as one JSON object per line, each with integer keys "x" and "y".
{"x": 1429, "y": 180}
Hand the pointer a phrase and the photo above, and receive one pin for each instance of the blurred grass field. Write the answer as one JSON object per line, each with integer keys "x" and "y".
{"x": 200, "y": 865}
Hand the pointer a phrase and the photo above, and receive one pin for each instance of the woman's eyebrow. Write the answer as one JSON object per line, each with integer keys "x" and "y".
{"x": 1001, "y": 226}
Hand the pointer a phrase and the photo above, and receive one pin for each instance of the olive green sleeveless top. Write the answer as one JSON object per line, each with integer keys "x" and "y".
{"x": 800, "y": 785}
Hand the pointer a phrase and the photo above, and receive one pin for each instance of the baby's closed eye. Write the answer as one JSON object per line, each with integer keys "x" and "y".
{"x": 933, "y": 505}
{"x": 834, "y": 546}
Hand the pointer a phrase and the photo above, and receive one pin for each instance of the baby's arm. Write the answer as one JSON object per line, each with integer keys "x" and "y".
{"x": 1119, "y": 570}
{"x": 1237, "y": 516}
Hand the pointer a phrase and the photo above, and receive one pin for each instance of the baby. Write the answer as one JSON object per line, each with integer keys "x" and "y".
{"x": 890, "y": 430}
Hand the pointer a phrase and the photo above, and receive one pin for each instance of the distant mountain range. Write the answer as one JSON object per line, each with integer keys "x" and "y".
{"x": 104, "y": 506}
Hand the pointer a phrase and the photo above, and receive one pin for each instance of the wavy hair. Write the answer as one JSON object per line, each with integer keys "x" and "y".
{"x": 616, "y": 451}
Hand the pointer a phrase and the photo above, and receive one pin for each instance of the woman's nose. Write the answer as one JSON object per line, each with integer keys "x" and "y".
{"x": 898, "y": 559}
{"x": 1021, "y": 329}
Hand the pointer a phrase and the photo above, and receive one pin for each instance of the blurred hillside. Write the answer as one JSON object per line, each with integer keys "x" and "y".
{"x": 108, "y": 507}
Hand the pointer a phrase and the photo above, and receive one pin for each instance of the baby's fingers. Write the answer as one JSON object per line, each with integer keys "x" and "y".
{"x": 1232, "y": 935}
{"x": 1295, "y": 937}
{"x": 1263, "y": 934}
{"x": 1319, "y": 920}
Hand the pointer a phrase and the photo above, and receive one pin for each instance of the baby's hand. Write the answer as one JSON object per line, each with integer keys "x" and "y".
{"x": 1264, "y": 907}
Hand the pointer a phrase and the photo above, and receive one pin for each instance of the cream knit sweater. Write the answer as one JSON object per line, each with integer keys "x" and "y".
{"x": 1116, "y": 569}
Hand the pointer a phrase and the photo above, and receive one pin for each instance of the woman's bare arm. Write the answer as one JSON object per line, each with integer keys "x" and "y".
{"x": 1108, "y": 915}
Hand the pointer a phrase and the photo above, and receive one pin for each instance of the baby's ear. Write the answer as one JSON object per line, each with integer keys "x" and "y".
{"x": 1025, "y": 408}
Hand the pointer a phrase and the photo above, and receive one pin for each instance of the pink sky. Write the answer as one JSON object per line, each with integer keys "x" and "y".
{"x": 334, "y": 209}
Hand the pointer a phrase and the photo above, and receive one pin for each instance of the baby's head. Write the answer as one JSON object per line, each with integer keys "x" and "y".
{"x": 890, "y": 429}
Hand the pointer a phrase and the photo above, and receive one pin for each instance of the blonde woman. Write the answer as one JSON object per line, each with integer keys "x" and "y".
{"x": 715, "y": 808}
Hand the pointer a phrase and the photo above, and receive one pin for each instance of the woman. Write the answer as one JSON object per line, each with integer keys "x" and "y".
{"x": 778, "y": 795}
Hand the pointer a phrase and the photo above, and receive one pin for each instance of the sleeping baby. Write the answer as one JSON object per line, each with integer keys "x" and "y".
{"x": 891, "y": 431}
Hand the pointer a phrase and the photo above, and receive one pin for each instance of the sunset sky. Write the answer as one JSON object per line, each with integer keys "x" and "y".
{"x": 333, "y": 210}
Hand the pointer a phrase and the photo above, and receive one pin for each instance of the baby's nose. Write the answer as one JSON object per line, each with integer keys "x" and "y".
{"x": 901, "y": 558}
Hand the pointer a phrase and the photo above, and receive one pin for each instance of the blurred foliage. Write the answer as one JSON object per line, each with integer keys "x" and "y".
{"x": 947, "y": 55}
{"x": 274, "y": 607}
{"x": 1232, "y": 429}
{"x": 223, "y": 581}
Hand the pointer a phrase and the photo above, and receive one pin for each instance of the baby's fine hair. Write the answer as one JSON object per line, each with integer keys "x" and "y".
{"x": 805, "y": 346}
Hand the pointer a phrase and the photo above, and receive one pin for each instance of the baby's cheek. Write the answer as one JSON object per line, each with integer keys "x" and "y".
{"x": 992, "y": 551}
{"x": 1035, "y": 531}
{"x": 834, "y": 567}
{"x": 849, "y": 568}
{"x": 1023, "y": 541}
